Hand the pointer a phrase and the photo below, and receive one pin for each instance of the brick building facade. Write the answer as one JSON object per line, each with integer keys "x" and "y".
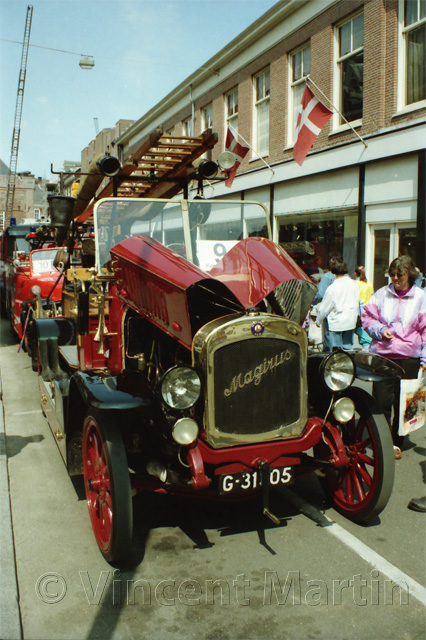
{"x": 367, "y": 58}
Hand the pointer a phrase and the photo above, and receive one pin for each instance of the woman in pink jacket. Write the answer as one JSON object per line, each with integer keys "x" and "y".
{"x": 395, "y": 318}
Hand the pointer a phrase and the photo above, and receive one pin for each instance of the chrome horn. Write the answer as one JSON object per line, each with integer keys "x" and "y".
{"x": 100, "y": 331}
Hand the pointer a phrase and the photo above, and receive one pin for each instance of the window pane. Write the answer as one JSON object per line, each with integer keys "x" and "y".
{"x": 416, "y": 65}
{"x": 422, "y": 8}
{"x": 345, "y": 38}
{"x": 358, "y": 32}
{"x": 232, "y": 103}
{"x": 297, "y": 66}
{"x": 311, "y": 240}
{"x": 263, "y": 127}
{"x": 306, "y": 61}
{"x": 208, "y": 117}
{"x": 407, "y": 243}
{"x": 411, "y": 8}
{"x": 234, "y": 123}
{"x": 297, "y": 99}
{"x": 381, "y": 257}
{"x": 267, "y": 83}
{"x": 259, "y": 88}
{"x": 352, "y": 86}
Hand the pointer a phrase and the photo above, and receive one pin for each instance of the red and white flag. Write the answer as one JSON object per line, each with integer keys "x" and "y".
{"x": 239, "y": 150}
{"x": 312, "y": 117}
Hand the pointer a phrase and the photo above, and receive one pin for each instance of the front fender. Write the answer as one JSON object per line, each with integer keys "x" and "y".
{"x": 102, "y": 392}
{"x": 371, "y": 367}
{"x": 368, "y": 367}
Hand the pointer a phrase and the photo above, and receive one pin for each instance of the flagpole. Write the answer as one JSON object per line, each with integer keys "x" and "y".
{"x": 308, "y": 79}
{"x": 250, "y": 147}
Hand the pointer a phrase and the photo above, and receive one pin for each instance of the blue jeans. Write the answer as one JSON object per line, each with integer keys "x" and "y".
{"x": 363, "y": 337}
{"x": 342, "y": 339}
{"x": 326, "y": 346}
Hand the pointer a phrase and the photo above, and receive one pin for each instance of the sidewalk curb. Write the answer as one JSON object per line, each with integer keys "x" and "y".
{"x": 10, "y": 619}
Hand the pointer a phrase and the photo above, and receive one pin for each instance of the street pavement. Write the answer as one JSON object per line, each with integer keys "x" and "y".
{"x": 205, "y": 571}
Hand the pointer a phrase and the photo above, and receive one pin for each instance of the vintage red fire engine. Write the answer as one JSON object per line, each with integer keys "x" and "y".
{"x": 180, "y": 365}
{"x": 27, "y": 257}
{"x": 31, "y": 275}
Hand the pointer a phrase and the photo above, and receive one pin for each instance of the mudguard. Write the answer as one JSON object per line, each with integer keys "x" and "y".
{"x": 368, "y": 366}
{"x": 104, "y": 392}
{"x": 63, "y": 329}
{"x": 372, "y": 367}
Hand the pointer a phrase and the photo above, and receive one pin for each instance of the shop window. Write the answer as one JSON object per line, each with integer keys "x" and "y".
{"x": 412, "y": 52}
{"x": 231, "y": 109}
{"x": 311, "y": 239}
{"x": 261, "y": 88}
{"x": 350, "y": 67}
{"x": 299, "y": 68}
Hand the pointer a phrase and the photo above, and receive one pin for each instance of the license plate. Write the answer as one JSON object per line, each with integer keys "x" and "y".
{"x": 249, "y": 480}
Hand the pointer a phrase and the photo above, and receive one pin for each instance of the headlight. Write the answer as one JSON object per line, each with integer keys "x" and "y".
{"x": 338, "y": 371}
{"x": 344, "y": 410}
{"x": 185, "y": 431}
{"x": 180, "y": 387}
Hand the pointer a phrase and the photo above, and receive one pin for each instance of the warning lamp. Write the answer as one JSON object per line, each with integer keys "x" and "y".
{"x": 92, "y": 232}
{"x": 13, "y": 222}
{"x": 32, "y": 234}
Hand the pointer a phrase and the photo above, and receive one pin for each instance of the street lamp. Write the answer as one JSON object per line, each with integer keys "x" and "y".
{"x": 87, "y": 62}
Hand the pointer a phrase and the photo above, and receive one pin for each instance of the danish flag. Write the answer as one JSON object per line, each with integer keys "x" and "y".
{"x": 312, "y": 117}
{"x": 239, "y": 150}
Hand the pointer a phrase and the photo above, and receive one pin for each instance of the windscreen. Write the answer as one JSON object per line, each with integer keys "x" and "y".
{"x": 42, "y": 261}
{"x": 202, "y": 231}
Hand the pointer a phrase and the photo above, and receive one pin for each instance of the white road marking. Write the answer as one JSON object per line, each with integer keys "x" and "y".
{"x": 377, "y": 561}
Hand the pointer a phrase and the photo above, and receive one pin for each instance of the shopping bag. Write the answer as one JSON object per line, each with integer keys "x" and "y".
{"x": 412, "y": 404}
{"x": 314, "y": 332}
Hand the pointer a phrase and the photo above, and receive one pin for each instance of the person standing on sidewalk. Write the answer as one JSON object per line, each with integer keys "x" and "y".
{"x": 365, "y": 292}
{"x": 326, "y": 279}
{"x": 395, "y": 318}
{"x": 340, "y": 306}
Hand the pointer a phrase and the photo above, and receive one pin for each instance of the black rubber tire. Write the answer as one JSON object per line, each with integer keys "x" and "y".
{"x": 368, "y": 439}
{"x": 107, "y": 487}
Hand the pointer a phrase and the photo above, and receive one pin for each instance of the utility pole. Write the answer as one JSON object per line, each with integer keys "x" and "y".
{"x": 18, "y": 114}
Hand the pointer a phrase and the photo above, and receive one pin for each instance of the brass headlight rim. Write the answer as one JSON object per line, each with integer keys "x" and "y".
{"x": 326, "y": 362}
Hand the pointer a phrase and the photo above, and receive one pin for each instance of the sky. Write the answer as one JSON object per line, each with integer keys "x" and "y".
{"x": 142, "y": 50}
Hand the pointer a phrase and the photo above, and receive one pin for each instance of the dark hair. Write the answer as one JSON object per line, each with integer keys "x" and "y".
{"x": 360, "y": 273}
{"x": 333, "y": 257}
{"x": 401, "y": 264}
{"x": 338, "y": 267}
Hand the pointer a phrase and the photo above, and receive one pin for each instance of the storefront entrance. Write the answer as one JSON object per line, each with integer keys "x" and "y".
{"x": 386, "y": 242}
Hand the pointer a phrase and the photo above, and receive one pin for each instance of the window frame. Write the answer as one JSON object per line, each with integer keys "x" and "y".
{"x": 402, "y": 105}
{"x": 292, "y": 85}
{"x": 185, "y": 123}
{"x": 204, "y": 110}
{"x": 231, "y": 119}
{"x": 338, "y": 84}
{"x": 257, "y": 102}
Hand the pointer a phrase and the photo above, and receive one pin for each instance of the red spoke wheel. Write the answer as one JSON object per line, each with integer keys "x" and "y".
{"x": 107, "y": 485}
{"x": 361, "y": 490}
